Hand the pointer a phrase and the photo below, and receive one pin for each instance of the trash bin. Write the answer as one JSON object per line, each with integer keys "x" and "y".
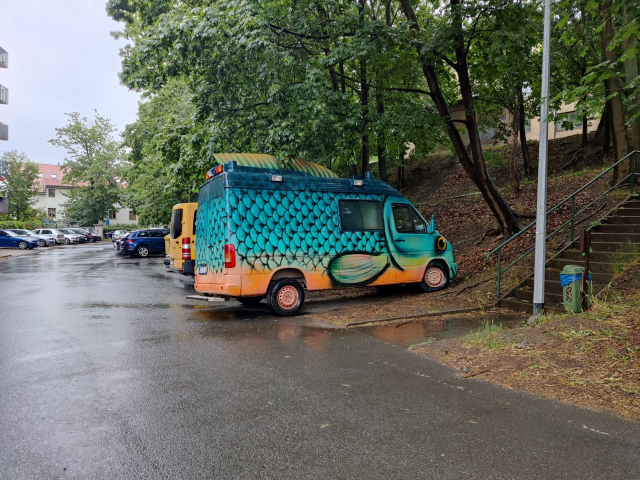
{"x": 571, "y": 281}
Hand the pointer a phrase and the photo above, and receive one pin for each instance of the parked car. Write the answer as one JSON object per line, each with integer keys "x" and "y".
{"x": 276, "y": 233}
{"x": 52, "y": 233}
{"x": 144, "y": 242}
{"x": 118, "y": 234}
{"x": 42, "y": 241}
{"x": 91, "y": 230}
{"x": 182, "y": 241}
{"x": 119, "y": 241}
{"x": 88, "y": 237}
{"x": 69, "y": 232}
{"x": 13, "y": 240}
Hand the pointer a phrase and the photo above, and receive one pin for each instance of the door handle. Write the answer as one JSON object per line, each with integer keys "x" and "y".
{"x": 398, "y": 240}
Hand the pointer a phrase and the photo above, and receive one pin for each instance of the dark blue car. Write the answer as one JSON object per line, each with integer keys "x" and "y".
{"x": 144, "y": 242}
{"x": 10, "y": 239}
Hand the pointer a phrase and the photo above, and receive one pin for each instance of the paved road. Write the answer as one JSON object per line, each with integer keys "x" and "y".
{"x": 106, "y": 371}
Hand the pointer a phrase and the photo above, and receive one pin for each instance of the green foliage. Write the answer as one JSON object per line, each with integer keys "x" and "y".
{"x": 27, "y": 224}
{"x": 625, "y": 256}
{"x": 21, "y": 185}
{"x": 494, "y": 159}
{"x": 94, "y": 165}
{"x": 123, "y": 226}
{"x": 487, "y": 336}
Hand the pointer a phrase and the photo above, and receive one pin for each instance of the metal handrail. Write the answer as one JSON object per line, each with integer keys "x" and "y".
{"x": 571, "y": 197}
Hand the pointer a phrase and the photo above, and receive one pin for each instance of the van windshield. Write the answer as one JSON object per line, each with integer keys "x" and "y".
{"x": 176, "y": 223}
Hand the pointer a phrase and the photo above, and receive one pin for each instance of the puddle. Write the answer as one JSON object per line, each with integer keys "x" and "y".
{"x": 436, "y": 328}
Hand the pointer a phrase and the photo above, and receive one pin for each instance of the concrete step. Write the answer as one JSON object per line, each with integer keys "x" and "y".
{"x": 632, "y": 204}
{"x": 615, "y": 237}
{"x": 527, "y": 296}
{"x": 606, "y": 246}
{"x": 595, "y": 267}
{"x": 576, "y": 257}
{"x": 599, "y": 279}
{"x": 618, "y": 228}
{"x": 622, "y": 220}
{"x": 551, "y": 285}
{"x": 513, "y": 303}
{"x": 628, "y": 212}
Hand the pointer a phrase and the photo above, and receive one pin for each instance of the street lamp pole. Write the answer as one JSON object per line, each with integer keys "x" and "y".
{"x": 541, "y": 214}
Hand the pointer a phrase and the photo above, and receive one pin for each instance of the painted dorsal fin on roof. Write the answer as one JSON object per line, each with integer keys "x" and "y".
{"x": 262, "y": 160}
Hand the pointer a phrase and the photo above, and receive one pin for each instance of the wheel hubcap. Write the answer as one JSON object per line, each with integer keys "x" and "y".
{"x": 434, "y": 277}
{"x": 288, "y": 297}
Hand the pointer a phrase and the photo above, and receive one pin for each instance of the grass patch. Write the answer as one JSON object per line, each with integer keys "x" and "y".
{"x": 625, "y": 256}
{"x": 487, "y": 336}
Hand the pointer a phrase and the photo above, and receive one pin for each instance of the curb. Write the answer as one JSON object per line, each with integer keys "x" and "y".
{"x": 407, "y": 317}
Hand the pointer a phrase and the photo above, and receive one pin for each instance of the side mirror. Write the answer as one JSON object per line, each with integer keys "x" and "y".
{"x": 432, "y": 224}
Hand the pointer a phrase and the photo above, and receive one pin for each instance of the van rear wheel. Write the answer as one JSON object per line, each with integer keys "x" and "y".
{"x": 285, "y": 297}
{"x": 436, "y": 277}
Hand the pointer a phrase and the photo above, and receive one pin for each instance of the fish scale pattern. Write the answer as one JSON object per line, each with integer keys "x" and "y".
{"x": 293, "y": 227}
{"x": 212, "y": 216}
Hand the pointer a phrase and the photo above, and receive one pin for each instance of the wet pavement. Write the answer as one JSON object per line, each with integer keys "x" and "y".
{"x": 107, "y": 371}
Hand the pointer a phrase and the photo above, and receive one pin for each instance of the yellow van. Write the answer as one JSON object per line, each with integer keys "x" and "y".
{"x": 182, "y": 238}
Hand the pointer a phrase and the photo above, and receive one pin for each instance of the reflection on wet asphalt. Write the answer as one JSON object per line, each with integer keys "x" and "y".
{"x": 414, "y": 332}
{"x": 107, "y": 371}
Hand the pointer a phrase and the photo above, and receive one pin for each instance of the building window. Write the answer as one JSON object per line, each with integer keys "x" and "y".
{"x": 132, "y": 216}
{"x": 527, "y": 126}
{"x": 52, "y": 192}
{"x": 40, "y": 175}
{"x": 112, "y": 216}
{"x": 569, "y": 122}
{"x": 51, "y": 212}
{"x": 54, "y": 175}
{"x": 360, "y": 215}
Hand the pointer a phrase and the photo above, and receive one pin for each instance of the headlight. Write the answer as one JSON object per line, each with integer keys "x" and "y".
{"x": 441, "y": 243}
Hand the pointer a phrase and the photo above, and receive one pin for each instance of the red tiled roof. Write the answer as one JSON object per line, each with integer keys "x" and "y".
{"x": 46, "y": 181}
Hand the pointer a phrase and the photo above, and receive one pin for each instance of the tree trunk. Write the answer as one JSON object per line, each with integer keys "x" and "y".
{"x": 613, "y": 87}
{"x": 585, "y": 130}
{"x": 343, "y": 85}
{"x": 401, "y": 171}
{"x": 381, "y": 141}
{"x": 512, "y": 163}
{"x": 474, "y": 165}
{"x": 526, "y": 158}
{"x": 606, "y": 131}
{"x": 631, "y": 72}
{"x": 364, "y": 102}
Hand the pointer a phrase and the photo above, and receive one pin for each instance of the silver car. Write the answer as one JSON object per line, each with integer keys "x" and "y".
{"x": 42, "y": 240}
{"x": 74, "y": 237}
{"x": 51, "y": 233}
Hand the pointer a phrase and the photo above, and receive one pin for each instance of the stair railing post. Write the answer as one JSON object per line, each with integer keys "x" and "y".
{"x": 573, "y": 217}
{"x": 633, "y": 173}
{"x": 499, "y": 273}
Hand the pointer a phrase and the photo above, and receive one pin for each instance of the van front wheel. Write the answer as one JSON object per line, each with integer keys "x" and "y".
{"x": 436, "y": 277}
{"x": 285, "y": 297}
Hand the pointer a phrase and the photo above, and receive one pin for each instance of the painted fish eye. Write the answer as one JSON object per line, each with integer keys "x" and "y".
{"x": 441, "y": 243}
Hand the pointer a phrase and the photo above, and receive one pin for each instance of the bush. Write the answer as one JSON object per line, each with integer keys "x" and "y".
{"x": 29, "y": 224}
{"x": 121, "y": 226}
{"x": 494, "y": 159}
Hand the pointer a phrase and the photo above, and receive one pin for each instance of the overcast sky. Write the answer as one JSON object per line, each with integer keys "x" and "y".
{"x": 61, "y": 59}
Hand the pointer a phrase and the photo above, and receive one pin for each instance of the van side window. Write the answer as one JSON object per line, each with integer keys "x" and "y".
{"x": 407, "y": 220}
{"x": 360, "y": 215}
{"x": 176, "y": 223}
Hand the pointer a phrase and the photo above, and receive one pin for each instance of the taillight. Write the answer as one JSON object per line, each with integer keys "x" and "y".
{"x": 130, "y": 240}
{"x": 229, "y": 256}
{"x": 186, "y": 248}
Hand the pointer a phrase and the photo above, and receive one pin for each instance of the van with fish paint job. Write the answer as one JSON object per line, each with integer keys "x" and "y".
{"x": 267, "y": 230}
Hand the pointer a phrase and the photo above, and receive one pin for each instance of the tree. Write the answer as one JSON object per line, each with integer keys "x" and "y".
{"x": 443, "y": 47}
{"x": 21, "y": 183}
{"x": 94, "y": 166}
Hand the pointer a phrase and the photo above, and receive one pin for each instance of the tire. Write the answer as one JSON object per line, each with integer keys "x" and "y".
{"x": 42, "y": 243}
{"x": 249, "y": 301}
{"x": 285, "y": 297}
{"x": 142, "y": 251}
{"x": 436, "y": 277}
{"x": 67, "y": 241}
{"x": 23, "y": 245}
{"x": 91, "y": 240}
